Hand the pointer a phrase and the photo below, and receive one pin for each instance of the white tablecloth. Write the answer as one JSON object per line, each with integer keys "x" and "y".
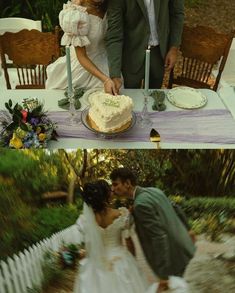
{"x": 51, "y": 97}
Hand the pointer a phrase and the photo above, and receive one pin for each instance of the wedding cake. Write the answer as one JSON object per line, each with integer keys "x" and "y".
{"x": 108, "y": 113}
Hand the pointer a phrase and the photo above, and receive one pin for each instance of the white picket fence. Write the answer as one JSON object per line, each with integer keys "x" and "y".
{"x": 24, "y": 271}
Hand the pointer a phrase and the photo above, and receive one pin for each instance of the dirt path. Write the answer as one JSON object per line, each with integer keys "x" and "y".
{"x": 207, "y": 272}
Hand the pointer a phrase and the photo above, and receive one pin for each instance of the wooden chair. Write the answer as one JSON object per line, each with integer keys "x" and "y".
{"x": 202, "y": 49}
{"x": 31, "y": 51}
{"x": 16, "y": 24}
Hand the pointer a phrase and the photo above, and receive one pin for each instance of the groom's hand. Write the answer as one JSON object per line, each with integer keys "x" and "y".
{"x": 163, "y": 286}
{"x": 118, "y": 83}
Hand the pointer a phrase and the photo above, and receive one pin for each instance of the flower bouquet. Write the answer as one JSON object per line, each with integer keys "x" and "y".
{"x": 26, "y": 125}
{"x": 71, "y": 253}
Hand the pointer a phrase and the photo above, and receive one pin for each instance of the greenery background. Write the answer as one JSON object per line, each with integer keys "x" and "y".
{"x": 201, "y": 181}
{"x": 44, "y": 10}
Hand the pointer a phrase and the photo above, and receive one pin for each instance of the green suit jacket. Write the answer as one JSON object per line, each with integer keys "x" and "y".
{"x": 165, "y": 241}
{"x": 128, "y": 31}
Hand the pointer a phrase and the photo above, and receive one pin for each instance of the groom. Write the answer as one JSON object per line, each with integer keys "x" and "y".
{"x": 165, "y": 241}
{"x": 134, "y": 25}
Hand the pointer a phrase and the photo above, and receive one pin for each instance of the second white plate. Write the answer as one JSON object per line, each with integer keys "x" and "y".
{"x": 186, "y": 98}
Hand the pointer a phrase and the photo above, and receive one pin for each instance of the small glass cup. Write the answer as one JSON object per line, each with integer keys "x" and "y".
{"x": 74, "y": 119}
{"x": 144, "y": 118}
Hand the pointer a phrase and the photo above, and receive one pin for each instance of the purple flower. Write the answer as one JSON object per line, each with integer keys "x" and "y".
{"x": 34, "y": 121}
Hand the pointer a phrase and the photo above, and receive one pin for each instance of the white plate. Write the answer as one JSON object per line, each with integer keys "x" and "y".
{"x": 85, "y": 97}
{"x": 186, "y": 98}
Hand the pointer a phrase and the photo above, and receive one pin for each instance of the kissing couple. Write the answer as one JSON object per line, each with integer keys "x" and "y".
{"x": 110, "y": 265}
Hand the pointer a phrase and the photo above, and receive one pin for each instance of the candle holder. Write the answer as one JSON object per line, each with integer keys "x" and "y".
{"x": 144, "y": 118}
{"x": 74, "y": 119}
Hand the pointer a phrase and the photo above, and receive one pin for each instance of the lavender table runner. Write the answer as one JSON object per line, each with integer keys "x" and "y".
{"x": 193, "y": 126}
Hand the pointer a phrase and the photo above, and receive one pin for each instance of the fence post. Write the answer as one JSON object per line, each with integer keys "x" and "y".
{"x": 14, "y": 275}
{"x": 20, "y": 273}
{"x": 2, "y": 283}
{"x": 7, "y": 277}
{"x": 25, "y": 269}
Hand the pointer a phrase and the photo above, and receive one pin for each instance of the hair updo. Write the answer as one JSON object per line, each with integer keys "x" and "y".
{"x": 97, "y": 194}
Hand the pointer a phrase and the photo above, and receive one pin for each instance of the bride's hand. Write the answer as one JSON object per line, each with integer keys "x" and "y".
{"x": 163, "y": 286}
{"x": 109, "y": 87}
{"x": 77, "y": 2}
{"x": 82, "y": 253}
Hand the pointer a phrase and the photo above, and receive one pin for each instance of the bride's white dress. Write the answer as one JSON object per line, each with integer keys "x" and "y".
{"x": 116, "y": 271}
{"x": 84, "y": 30}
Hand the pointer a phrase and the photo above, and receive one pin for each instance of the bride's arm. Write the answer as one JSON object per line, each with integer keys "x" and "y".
{"x": 130, "y": 245}
{"x": 86, "y": 62}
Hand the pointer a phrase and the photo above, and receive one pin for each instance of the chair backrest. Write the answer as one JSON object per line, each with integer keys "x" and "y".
{"x": 202, "y": 49}
{"x": 16, "y": 24}
{"x": 31, "y": 51}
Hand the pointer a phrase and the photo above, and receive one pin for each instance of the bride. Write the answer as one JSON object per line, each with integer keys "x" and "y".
{"x": 84, "y": 24}
{"x": 108, "y": 266}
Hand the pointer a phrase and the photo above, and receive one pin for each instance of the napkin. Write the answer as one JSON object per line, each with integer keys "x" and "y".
{"x": 78, "y": 93}
{"x": 159, "y": 97}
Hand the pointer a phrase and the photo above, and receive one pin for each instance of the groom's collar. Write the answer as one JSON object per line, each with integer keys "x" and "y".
{"x": 134, "y": 192}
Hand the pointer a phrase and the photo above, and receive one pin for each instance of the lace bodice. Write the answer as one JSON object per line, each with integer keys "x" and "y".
{"x": 113, "y": 234}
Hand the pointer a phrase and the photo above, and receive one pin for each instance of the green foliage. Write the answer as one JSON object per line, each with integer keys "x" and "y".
{"x": 212, "y": 225}
{"x": 193, "y": 3}
{"x": 196, "y": 207}
{"x": 11, "y": 10}
{"x": 211, "y": 216}
{"x": 52, "y": 271}
{"x": 26, "y": 174}
{"x": 201, "y": 173}
{"x": 15, "y": 222}
{"x": 47, "y": 11}
{"x": 52, "y": 220}
{"x": 150, "y": 166}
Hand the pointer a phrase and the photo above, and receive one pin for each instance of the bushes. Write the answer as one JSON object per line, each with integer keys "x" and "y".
{"x": 21, "y": 226}
{"x": 197, "y": 207}
{"x": 15, "y": 221}
{"x": 192, "y": 3}
{"x": 44, "y": 10}
{"x": 212, "y": 216}
{"x": 53, "y": 219}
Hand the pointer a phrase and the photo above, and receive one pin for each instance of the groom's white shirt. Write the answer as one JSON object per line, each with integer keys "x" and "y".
{"x": 134, "y": 192}
{"x": 153, "y": 38}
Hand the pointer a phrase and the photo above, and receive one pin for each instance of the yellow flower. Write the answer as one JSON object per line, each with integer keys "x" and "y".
{"x": 16, "y": 142}
{"x": 42, "y": 136}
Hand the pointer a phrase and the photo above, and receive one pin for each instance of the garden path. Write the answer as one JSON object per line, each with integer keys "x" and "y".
{"x": 207, "y": 272}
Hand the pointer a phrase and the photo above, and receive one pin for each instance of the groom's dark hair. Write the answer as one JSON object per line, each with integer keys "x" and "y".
{"x": 123, "y": 174}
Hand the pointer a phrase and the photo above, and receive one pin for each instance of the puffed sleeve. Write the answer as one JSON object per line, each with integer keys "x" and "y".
{"x": 74, "y": 21}
{"x": 128, "y": 222}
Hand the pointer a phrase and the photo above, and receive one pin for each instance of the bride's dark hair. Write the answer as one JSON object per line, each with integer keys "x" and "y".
{"x": 96, "y": 195}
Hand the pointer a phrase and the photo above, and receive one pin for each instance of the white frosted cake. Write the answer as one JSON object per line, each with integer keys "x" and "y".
{"x": 109, "y": 113}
